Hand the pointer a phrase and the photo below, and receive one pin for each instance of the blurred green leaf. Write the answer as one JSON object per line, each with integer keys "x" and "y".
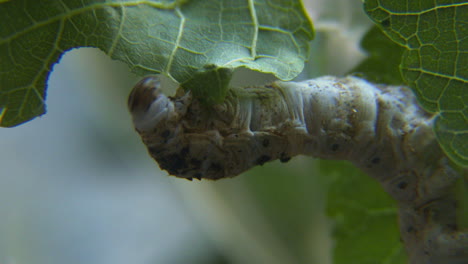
{"x": 291, "y": 198}
{"x": 384, "y": 57}
{"x": 366, "y": 229}
{"x": 461, "y": 192}
{"x": 178, "y": 38}
{"x": 435, "y": 62}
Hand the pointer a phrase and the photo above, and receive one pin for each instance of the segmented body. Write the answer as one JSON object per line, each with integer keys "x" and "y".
{"x": 378, "y": 128}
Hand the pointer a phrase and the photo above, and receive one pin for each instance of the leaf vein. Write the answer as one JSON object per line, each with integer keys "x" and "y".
{"x": 119, "y": 32}
{"x": 177, "y": 42}
{"x": 253, "y": 14}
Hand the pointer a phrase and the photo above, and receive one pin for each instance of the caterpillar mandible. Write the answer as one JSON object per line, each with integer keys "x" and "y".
{"x": 379, "y": 128}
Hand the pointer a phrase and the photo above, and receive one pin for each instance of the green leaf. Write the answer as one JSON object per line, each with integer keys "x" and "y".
{"x": 435, "y": 62}
{"x": 366, "y": 229}
{"x": 177, "y": 38}
{"x": 384, "y": 56}
{"x": 211, "y": 84}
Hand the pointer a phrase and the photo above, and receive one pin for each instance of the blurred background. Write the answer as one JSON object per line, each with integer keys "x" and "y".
{"x": 77, "y": 184}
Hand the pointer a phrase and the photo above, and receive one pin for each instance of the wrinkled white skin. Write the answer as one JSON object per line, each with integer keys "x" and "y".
{"x": 378, "y": 128}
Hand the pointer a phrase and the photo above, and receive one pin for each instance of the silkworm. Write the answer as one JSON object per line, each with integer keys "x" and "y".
{"x": 376, "y": 127}
{"x": 379, "y": 128}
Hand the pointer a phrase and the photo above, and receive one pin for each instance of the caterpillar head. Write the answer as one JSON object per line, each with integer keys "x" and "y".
{"x": 148, "y": 105}
{"x": 180, "y": 133}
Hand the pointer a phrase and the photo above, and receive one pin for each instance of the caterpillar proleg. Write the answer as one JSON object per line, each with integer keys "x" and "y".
{"x": 379, "y": 128}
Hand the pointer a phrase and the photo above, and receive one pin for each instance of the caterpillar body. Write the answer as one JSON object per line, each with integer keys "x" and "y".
{"x": 379, "y": 128}
{"x": 327, "y": 118}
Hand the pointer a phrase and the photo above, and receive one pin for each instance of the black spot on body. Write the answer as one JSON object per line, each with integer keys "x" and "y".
{"x": 216, "y": 167}
{"x": 195, "y": 162}
{"x": 173, "y": 163}
{"x": 402, "y": 185}
{"x": 198, "y": 176}
{"x": 153, "y": 151}
{"x": 215, "y": 171}
{"x": 262, "y": 159}
{"x": 184, "y": 152}
{"x": 165, "y": 134}
{"x": 265, "y": 142}
{"x": 375, "y": 160}
{"x": 284, "y": 157}
{"x": 410, "y": 229}
{"x": 335, "y": 147}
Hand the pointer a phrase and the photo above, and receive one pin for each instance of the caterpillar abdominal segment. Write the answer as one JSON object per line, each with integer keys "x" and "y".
{"x": 379, "y": 128}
